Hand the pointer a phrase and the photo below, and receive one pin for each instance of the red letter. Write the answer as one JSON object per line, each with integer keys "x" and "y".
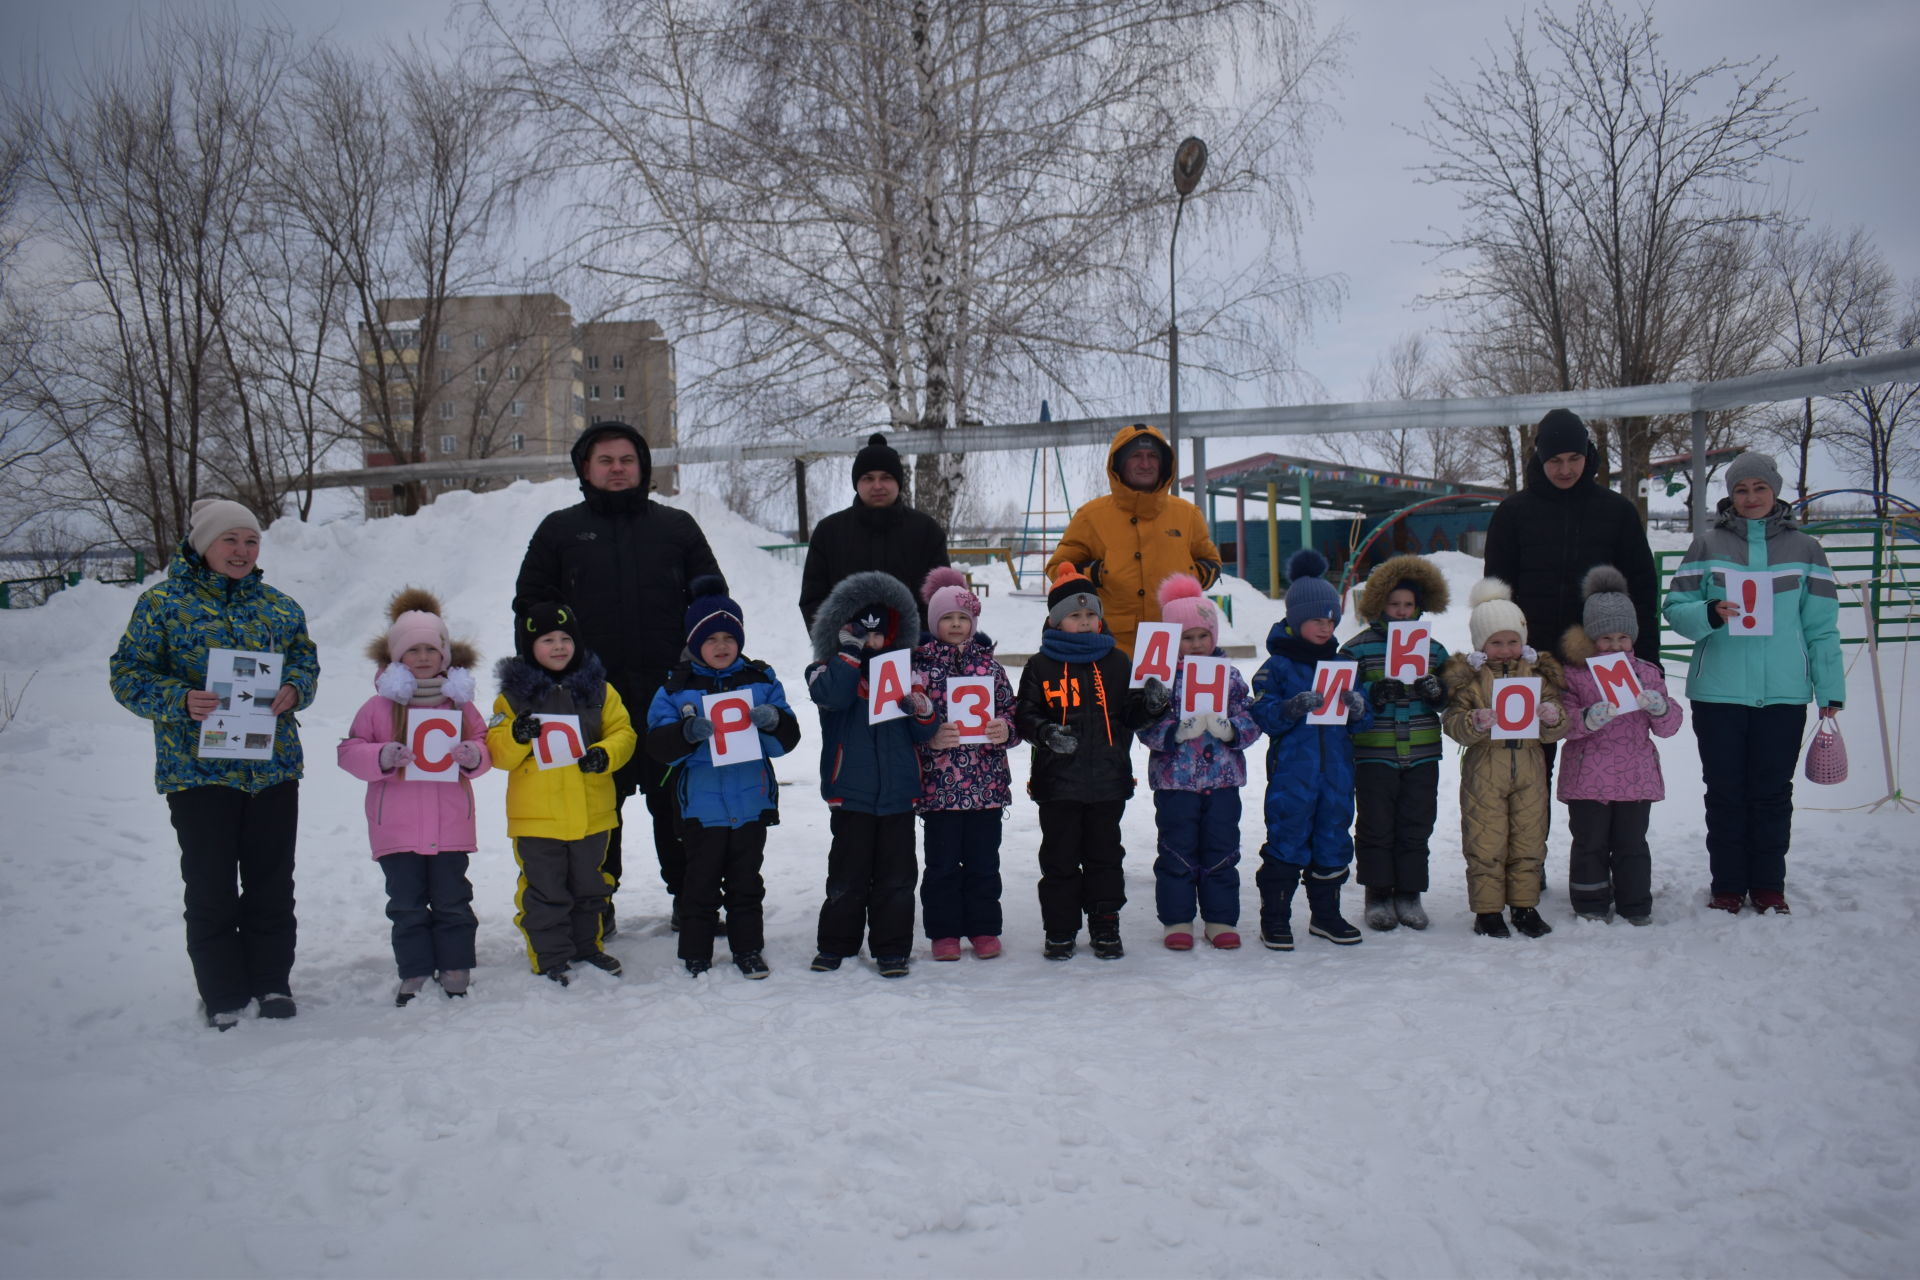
{"x": 1195, "y": 685}
{"x": 970, "y": 706}
{"x": 1330, "y": 682}
{"x": 425, "y": 731}
{"x": 1156, "y": 656}
{"x": 570, "y": 742}
{"x": 887, "y": 688}
{"x": 1616, "y": 682}
{"x": 1407, "y": 649}
{"x": 1513, "y": 707}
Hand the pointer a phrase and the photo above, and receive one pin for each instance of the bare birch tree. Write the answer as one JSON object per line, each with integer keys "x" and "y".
{"x": 907, "y": 213}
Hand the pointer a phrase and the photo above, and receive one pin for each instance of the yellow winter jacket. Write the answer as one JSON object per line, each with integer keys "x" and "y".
{"x": 560, "y": 804}
{"x": 1139, "y": 539}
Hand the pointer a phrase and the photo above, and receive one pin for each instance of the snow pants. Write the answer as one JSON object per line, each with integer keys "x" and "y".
{"x": 1080, "y": 863}
{"x": 563, "y": 890}
{"x": 870, "y": 877}
{"x": 430, "y": 903}
{"x": 1747, "y": 756}
{"x": 1610, "y": 865}
{"x": 1396, "y": 810}
{"x": 1198, "y": 859}
{"x": 649, "y": 777}
{"x": 1503, "y": 824}
{"x": 1312, "y": 831}
{"x": 236, "y": 863}
{"x": 960, "y": 888}
{"x": 723, "y": 866}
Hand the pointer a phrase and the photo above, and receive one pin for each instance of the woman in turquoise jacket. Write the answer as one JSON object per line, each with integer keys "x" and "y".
{"x": 1750, "y": 692}
{"x": 235, "y": 818}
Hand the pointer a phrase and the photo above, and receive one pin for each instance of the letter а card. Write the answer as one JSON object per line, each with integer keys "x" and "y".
{"x": 1156, "y": 647}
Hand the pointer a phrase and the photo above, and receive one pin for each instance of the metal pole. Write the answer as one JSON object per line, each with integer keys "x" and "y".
{"x": 1699, "y": 482}
{"x": 1306, "y": 510}
{"x": 1893, "y": 795}
{"x": 1240, "y": 532}
{"x": 1273, "y": 541}
{"x": 1173, "y": 346}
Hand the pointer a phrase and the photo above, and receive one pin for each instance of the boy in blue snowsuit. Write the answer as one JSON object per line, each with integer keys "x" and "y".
{"x": 869, "y": 773}
{"x": 724, "y": 810}
{"x": 1309, "y": 805}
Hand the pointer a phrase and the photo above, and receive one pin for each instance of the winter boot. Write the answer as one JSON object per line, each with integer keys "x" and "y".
{"x": 603, "y": 962}
{"x": 1527, "y": 920}
{"x": 225, "y": 1020}
{"x": 1765, "y": 900}
{"x": 409, "y": 988}
{"x": 1727, "y": 902}
{"x": 1323, "y": 899}
{"x": 1407, "y": 909}
{"x": 946, "y": 948}
{"x": 557, "y": 973}
{"x": 1491, "y": 924}
{"x": 1179, "y": 937}
{"x": 752, "y": 965}
{"x": 1380, "y": 913}
{"x": 824, "y": 963}
{"x": 1059, "y": 948}
{"x": 893, "y": 966}
{"x": 454, "y": 982}
{"x": 1103, "y": 928}
{"x": 1224, "y": 937}
{"x": 697, "y": 967}
{"x": 1277, "y": 882}
{"x": 277, "y": 1004}
{"x": 985, "y": 946}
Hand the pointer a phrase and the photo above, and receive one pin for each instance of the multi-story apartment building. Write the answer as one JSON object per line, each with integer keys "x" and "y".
{"x": 505, "y": 375}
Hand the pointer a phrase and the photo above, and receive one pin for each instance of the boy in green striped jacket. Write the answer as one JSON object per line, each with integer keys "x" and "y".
{"x": 1397, "y": 761}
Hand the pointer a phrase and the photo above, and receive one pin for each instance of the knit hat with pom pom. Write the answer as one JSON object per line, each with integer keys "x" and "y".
{"x": 945, "y": 591}
{"x": 1071, "y": 592}
{"x": 1309, "y": 594}
{"x": 1493, "y": 612}
{"x": 713, "y": 611}
{"x": 878, "y": 455}
{"x": 1608, "y": 609}
{"x": 416, "y": 620}
{"x": 1183, "y": 604}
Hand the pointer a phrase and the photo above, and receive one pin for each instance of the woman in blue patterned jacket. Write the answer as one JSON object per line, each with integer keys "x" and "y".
{"x": 235, "y": 818}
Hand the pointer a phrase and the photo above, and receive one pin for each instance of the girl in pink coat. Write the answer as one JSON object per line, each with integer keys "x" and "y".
{"x": 422, "y": 830}
{"x": 1609, "y": 768}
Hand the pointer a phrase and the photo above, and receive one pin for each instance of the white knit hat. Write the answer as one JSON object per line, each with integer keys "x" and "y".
{"x": 212, "y": 517}
{"x": 1493, "y": 612}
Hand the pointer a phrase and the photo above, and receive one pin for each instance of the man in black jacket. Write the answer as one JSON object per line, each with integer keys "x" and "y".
{"x": 625, "y": 563}
{"x": 879, "y": 531}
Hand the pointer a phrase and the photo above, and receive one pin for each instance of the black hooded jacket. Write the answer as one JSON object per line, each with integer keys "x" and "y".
{"x": 898, "y": 540}
{"x": 624, "y": 562}
{"x": 1543, "y": 540}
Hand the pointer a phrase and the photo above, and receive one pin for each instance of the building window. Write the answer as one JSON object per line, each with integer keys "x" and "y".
{"x": 619, "y": 360}
{"x": 480, "y": 373}
{"x": 579, "y": 404}
{"x": 518, "y": 409}
{"x": 517, "y": 442}
{"x": 446, "y": 410}
{"x": 379, "y": 510}
{"x": 619, "y": 391}
{"x": 448, "y": 482}
{"x": 446, "y": 375}
{"x": 446, "y": 342}
{"x": 513, "y": 373}
{"x": 593, "y": 392}
{"x": 479, "y": 340}
{"x": 593, "y": 362}
{"x": 448, "y": 444}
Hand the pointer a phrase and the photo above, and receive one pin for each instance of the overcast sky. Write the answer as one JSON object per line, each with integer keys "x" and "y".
{"x": 1853, "y": 61}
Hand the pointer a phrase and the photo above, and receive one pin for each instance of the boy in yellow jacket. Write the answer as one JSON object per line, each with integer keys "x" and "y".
{"x": 559, "y": 816}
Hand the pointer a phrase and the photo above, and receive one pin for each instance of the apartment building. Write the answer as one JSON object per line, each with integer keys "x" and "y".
{"x": 505, "y": 375}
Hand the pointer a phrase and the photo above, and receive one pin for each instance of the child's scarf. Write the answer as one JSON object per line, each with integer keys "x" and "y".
{"x": 1075, "y": 646}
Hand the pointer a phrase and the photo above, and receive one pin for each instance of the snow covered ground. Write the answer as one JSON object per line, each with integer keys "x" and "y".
{"x": 1706, "y": 1097}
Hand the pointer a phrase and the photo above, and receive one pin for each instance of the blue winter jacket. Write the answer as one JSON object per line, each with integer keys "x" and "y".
{"x": 1309, "y": 803}
{"x": 719, "y": 795}
{"x": 867, "y": 768}
{"x": 163, "y": 655}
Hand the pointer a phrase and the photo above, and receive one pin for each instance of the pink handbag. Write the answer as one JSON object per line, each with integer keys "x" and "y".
{"x": 1827, "y": 755}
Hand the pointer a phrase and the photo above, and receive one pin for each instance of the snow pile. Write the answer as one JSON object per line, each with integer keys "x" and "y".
{"x": 1706, "y": 1096}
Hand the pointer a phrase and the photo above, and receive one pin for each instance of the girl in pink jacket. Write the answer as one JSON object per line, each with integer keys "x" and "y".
{"x": 1609, "y": 768}
{"x": 422, "y": 826}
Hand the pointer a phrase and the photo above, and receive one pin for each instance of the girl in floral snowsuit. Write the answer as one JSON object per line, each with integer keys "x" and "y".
{"x": 963, "y": 787}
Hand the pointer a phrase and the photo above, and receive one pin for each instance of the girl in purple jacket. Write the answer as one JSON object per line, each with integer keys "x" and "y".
{"x": 965, "y": 783}
{"x": 422, "y": 831}
{"x": 1197, "y": 765}
{"x": 1609, "y": 768}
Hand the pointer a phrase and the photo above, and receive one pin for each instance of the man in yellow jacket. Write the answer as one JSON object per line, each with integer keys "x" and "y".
{"x": 1133, "y": 539}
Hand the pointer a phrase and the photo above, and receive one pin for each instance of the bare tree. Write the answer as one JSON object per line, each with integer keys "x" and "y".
{"x": 1410, "y": 369}
{"x": 894, "y": 212}
{"x": 1874, "y": 433}
{"x": 1610, "y": 214}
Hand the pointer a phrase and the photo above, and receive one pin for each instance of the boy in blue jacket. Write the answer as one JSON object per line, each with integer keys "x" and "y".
{"x": 1309, "y": 805}
{"x": 724, "y": 810}
{"x": 869, "y": 773}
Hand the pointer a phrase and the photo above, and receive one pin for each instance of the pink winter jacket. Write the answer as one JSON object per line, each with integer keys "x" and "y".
{"x": 1620, "y": 761}
{"x": 415, "y": 817}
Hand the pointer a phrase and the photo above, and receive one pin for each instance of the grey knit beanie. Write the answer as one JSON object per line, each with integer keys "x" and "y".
{"x": 1608, "y": 609}
{"x": 1753, "y": 466}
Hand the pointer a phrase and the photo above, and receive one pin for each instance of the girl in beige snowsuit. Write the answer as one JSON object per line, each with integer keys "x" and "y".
{"x": 1503, "y": 782}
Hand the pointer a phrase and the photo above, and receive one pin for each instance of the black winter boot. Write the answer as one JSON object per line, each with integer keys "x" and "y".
{"x": 1103, "y": 930}
{"x": 1527, "y": 920}
{"x": 1380, "y": 913}
{"x": 1323, "y": 899}
{"x": 1059, "y": 949}
{"x": 1491, "y": 924}
{"x": 1277, "y": 881}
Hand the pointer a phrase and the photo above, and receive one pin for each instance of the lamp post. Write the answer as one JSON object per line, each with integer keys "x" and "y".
{"x": 1189, "y": 162}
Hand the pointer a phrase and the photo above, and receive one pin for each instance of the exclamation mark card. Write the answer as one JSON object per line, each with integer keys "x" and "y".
{"x": 1752, "y": 593}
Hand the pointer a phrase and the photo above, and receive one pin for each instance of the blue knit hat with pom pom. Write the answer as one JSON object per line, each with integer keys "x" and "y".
{"x": 712, "y": 611}
{"x": 1309, "y": 594}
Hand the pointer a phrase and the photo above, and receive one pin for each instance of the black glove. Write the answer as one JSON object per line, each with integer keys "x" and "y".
{"x": 695, "y": 729}
{"x": 766, "y": 717}
{"x": 1060, "y": 740}
{"x": 866, "y": 624}
{"x": 1154, "y": 698}
{"x": 1381, "y": 692}
{"x": 1092, "y": 569}
{"x": 1301, "y": 703}
{"x": 1429, "y": 690}
{"x": 594, "y": 761}
{"x": 526, "y": 727}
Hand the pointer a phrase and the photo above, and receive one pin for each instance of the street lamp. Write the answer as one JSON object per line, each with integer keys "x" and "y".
{"x": 1189, "y": 162}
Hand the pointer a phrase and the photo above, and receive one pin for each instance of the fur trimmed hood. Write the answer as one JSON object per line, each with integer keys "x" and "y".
{"x": 868, "y": 587}
{"x": 525, "y": 682}
{"x": 1390, "y": 573}
{"x": 1576, "y": 646}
